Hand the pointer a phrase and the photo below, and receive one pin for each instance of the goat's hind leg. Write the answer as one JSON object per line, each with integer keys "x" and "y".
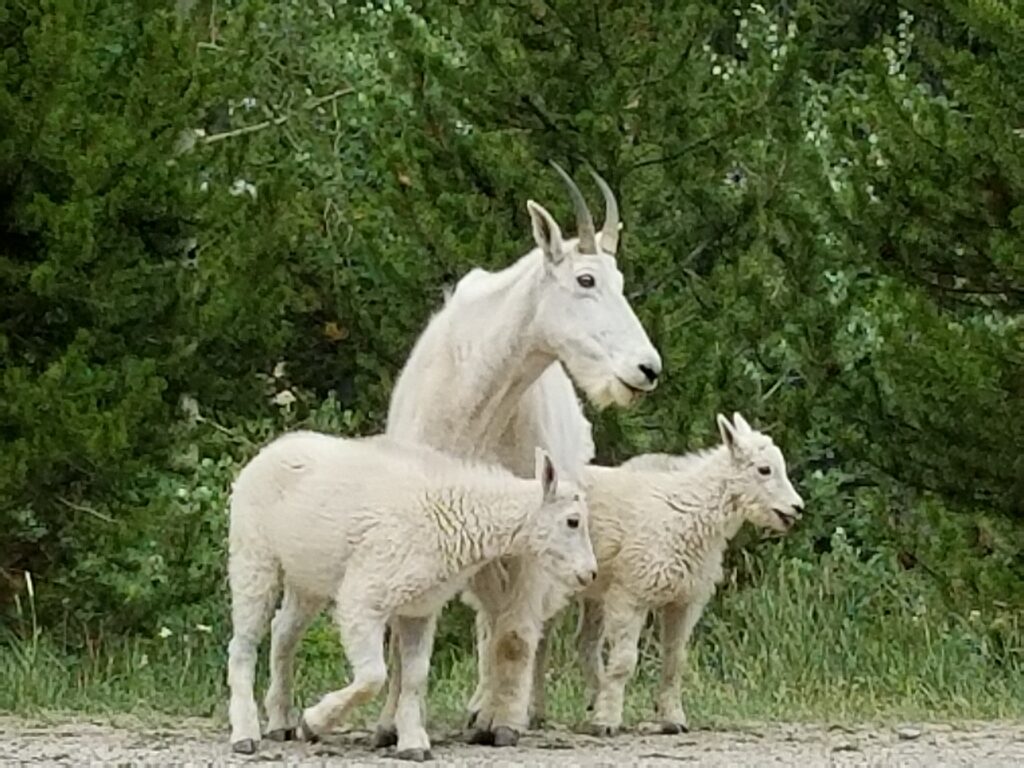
{"x": 385, "y": 734}
{"x": 479, "y": 704}
{"x": 538, "y": 693}
{"x": 588, "y": 642}
{"x": 296, "y": 613}
{"x": 254, "y": 581}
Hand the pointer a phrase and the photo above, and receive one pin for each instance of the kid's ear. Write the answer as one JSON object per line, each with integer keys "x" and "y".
{"x": 741, "y": 424}
{"x": 728, "y": 432}
{"x": 545, "y": 470}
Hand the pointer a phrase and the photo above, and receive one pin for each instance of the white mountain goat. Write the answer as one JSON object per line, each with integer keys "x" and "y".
{"x": 390, "y": 533}
{"x": 486, "y": 380}
{"x": 660, "y": 525}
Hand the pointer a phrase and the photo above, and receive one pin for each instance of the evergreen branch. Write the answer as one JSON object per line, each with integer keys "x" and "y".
{"x": 88, "y": 510}
{"x": 308, "y": 106}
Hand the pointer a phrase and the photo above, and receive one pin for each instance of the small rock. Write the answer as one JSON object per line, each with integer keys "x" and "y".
{"x": 908, "y": 732}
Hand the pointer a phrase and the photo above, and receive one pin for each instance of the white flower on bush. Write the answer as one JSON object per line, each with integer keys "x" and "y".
{"x": 189, "y": 408}
{"x": 284, "y": 398}
{"x": 204, "y": 628}
{"x": 242, "y": 187}
{"x": 164, "y": 633}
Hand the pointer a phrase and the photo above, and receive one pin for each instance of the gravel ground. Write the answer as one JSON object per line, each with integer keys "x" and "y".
{"x": 80, "y": 742}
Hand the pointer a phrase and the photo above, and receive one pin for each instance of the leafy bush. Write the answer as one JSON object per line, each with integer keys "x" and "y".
{"x": 213, "y": 210}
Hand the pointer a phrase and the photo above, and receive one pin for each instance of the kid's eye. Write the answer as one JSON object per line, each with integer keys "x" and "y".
{"x": 586, "y": 281}
{"x": 765, "y": 470}
{"x": 573, "y": 522}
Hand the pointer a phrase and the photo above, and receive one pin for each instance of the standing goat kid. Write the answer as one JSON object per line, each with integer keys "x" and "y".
{"x": 389, "y": 532}
{"x": 660, "y": 525}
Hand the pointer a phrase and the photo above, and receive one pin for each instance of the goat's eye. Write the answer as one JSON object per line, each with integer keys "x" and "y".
{"x": 586, "y": 281}
{"x": 573, "y": 522}
{"x": 765, "y": 470}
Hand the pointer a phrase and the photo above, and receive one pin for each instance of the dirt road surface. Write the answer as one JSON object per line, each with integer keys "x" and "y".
{"x": 202, "y": 742}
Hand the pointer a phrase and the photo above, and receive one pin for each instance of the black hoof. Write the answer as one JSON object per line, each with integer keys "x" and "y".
{"x": 282, "y": 734}
{"x": 471, "y": 721}
{"x": 305, "y": 733}
{"x": 415, "y": 755}
{"x": 484, "y": 736}
{"x": 385, "y": 737}
{"x": 673, "y": 728}
{"x": 245, "y": 746}
{"x": 603, "y": 730}
{"x": 505, "y": 737}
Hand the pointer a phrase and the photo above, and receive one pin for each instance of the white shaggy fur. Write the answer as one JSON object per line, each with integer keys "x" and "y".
{"x": 660, "y": 525}
{"x": 389, "y": 532}
{"x": 486, "y": 379}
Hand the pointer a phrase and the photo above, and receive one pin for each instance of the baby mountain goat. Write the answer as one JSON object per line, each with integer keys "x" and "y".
{"x": 660, "y": 525}
{"x": 389, "y": 532}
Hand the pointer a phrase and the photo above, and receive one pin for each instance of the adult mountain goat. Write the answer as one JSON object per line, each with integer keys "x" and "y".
{"x": 389, "y": 532}
{"x": 660, "y": 525}
{"x": 486, "y": 380}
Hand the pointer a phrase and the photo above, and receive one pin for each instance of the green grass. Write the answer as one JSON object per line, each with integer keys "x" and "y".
{"x": 842, "y": 640}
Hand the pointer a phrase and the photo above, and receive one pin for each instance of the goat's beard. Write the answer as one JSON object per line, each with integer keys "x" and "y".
{"x": 601, "y": 388}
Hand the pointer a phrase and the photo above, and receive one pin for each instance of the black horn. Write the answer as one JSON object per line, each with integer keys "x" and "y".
{"x": 584, "y": 221}
{"x": 610, "y": 230}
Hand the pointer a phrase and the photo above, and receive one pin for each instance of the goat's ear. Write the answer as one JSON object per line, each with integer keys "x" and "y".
{"x": 741, "y": 424}
{"x": 728, "y": 431}
{"x": 545, "y": 470}
{"x": 546, "y": 232}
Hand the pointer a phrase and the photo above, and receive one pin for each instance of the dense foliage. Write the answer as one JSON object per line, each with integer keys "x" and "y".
{"x": 224, "y": 219}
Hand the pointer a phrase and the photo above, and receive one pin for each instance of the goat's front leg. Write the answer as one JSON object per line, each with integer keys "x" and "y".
{"x": 623, "y": 621}
{"x": 415, "y": 641}
{"x": 516, "y": 610}
{"x": 513, "y": 650}
{"x": 488, "y": 595}
{"x": 677, "y": 623}
{"x": 362, "y": 633}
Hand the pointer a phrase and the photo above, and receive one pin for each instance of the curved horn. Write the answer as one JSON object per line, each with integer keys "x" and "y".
{"x": 584, "y": 221}
{"x": 610, "y": 230}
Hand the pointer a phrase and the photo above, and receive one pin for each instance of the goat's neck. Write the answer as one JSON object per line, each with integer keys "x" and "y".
{"x": 486, "y": 524}
{"x": 500, "y": 356}
{"x": 721, "y": 511}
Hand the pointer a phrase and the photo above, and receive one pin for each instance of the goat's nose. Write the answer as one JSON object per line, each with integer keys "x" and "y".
{"x": 799, "y": 509}
{"x": 650, "y": 372}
